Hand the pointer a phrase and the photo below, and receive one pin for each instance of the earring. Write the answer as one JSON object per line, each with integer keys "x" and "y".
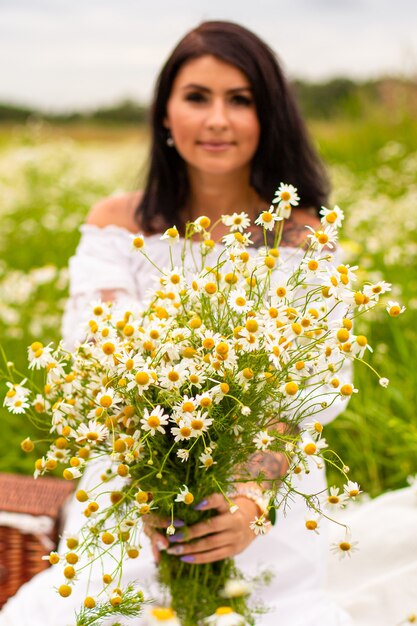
{"x": 169, "y": 141}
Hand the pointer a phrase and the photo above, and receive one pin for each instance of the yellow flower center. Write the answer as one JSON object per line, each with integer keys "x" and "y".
{"x": 345, "y": 546}
{"x": 172, "y": 232}
{"x": 346, "y": 390}
{"x": 222, "y": 348}
{"x": 291, "y": 388}
{"x": 310, "y": 448}
{"x": 106, "y": 401}
{"x": 331, "y": 217}
{"x": 153, "y": 421}
{"x": 252, "y": 325}
{"x": 247, "y": 373}
{"x": 311, "y": 524}
{"x": 108, "y": 347}
{"x": 197, "y": 424}
{"x": 188, "y": 498}
{"x": 333, "y": 499}
{"x": 162, "y": 614}
{"x": 210, "y": 288}
{"x": 223, "y": 610}
{"x": 142, "y": 378}
{"x": 185, "y": 431}
{"x": 321, "y": 236}
{"x": 173, "y": 376}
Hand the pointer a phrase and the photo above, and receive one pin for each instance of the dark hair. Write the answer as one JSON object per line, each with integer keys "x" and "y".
{"x": 284, "y": 154}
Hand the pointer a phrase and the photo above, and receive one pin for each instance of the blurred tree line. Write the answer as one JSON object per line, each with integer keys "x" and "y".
{"x": 333, "y": 99}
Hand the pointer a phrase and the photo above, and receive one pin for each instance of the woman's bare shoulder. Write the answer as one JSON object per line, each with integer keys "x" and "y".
{"x": 116, "y": 211}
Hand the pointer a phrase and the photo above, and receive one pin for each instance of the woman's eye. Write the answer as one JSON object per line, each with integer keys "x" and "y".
{"x": 242, "y": 100}
{"x": 195, "y": 97}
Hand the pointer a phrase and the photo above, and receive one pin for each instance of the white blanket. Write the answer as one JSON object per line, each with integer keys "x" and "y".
{"x": 378, "y": 584}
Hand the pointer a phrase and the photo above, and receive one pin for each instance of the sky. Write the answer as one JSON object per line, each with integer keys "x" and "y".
{"x": 61, "y": 55}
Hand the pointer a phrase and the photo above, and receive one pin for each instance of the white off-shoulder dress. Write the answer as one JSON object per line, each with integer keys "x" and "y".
{"x": 297, "y": 595}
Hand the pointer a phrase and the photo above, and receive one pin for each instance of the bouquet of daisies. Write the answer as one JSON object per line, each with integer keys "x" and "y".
{"x": 224, "y": 360}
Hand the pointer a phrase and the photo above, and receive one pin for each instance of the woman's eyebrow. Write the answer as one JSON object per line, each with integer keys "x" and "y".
{"x": 206, "y": 89}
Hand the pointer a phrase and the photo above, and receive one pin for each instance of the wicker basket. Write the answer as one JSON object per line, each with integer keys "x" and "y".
{"x": 21, "y": 551}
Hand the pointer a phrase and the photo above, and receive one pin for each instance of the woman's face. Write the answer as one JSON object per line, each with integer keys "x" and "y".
{"x": 212, "y": 117}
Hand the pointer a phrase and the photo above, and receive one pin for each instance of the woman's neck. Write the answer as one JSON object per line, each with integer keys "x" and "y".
{"x": 215, "y": 195}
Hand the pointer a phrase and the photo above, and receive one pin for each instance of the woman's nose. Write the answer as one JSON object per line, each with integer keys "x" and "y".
{"x": 217, "y": 118}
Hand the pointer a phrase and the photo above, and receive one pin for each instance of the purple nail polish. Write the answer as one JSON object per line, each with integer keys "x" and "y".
{"x": 177, "y": 550}
{"x": 188, "y": 558}
{"x": 178, "y": 523}
{"x": 176, "y": 537}
{"x": 201, "y": 505}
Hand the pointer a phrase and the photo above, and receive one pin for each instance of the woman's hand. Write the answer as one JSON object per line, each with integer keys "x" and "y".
{"x": 222, "y": 536}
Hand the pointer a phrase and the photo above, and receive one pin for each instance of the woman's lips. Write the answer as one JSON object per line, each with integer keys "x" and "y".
{"x": 215, "y": 146}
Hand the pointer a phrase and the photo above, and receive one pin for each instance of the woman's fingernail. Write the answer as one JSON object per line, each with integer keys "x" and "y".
{"x": 176, "y": 537}
{"x": 201, "y": 505}
{"x": 178, "y": 523}
{"x": 188, "y": 558}
{"x": 175, "y": 550}
{"x": 160, "y": 545}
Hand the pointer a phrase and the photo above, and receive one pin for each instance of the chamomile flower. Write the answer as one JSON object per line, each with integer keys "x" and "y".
{"x": 334, "y": 499}
{"x": 138, "y": 241}
{"x": 183, "y": 430}
{"x": 286, "y": 194}
{"x": 183, "y": 454}
{"x": 334, "y": 216}
{"x": 374, "y": 290}
{"x": 312, "y": 448}
{"x": 236, "y": 221}
{"x": 39, "y": 355}
{"x": 239, "y": 301}
{"x": 142, "y": 379}
{"x": 16, "y": 405}
{"x": 206, "y": 460}
{"x": 312, "y": 524}
{"x": 225, "y": 616}
{"x": 267, "y": 219}
{"x": 200, "y": 423}
{"x": 263, "y": 440}
{"x": 171, "y": 235}
{"x": 173, "y": 279}
{"x": 260, "y": 525}
{"x": 324, "y": 237}
{"x": 237, "y": 241}
{"x": 154, "y": 420}
{"x": 394, "y": 309}
{"x": 236, "y": 588}
{"x": 173, "y": 376}
{"x": 351, "y": 489}
{"x": 345, "y": 547}
{"x": 107, "y": 398}
{"x": 162, "y": 616}
{"x": 92, "y": 432}
{"x": 185, "y": 496}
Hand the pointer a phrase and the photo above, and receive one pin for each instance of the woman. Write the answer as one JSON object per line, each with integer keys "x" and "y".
{"x": 225, "y": 131}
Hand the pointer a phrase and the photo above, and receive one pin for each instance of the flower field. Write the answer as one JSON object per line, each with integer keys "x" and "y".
{"x": 48, "y": 181}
